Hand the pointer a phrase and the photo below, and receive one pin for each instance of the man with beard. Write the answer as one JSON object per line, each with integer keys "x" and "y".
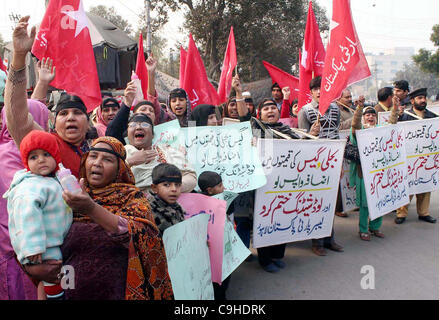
{"x": 418, "y": 99}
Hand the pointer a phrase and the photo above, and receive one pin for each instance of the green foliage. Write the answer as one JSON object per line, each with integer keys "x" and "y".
{"x": 429, "y": 61}
{"x": 111, "y": 15}
{"x": 269, "y": 30}
{"x": 418, "y": 78}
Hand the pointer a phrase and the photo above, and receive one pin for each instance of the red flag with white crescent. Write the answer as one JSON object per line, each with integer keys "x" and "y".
{"x": 196, "y": 83}
{"x": 345, "y": 62}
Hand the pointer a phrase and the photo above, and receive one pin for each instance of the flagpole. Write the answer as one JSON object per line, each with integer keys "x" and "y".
{"x": 148, "y": 26}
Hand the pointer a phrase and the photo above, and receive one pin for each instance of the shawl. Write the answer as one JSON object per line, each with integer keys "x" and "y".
{"x": 147, "y": 274}
{"x": 101, "y": 124}
{"x": 165, "y": 214}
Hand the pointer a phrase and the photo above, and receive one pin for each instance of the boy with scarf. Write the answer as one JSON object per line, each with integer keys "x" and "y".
{"x": 39, "y": 219}
{"x": 165, "y": 191}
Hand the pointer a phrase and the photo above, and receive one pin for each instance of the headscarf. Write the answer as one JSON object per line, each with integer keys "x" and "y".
{"x": 101, "y": 125}
{"x": 226, "y": 108}
{"x": 147, "y": 273}
{"x": 182, "y": 93}
{"x": 201, "y": 113}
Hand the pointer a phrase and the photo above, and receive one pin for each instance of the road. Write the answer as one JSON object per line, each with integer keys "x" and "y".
{"x": 405, "y": 264}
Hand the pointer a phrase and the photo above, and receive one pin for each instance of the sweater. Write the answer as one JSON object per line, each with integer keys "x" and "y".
{"x": 39, "y": 219}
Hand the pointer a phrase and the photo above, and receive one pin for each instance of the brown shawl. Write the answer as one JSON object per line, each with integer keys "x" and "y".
{"x": 147, "y": 275}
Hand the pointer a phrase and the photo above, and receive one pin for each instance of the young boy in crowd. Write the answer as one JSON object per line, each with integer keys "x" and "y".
{"x": 39, "y": 219}
{"x": 210, "y": 184}
{"x": 165, "y": 191}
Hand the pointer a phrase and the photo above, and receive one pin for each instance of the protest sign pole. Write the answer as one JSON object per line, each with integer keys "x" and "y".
{"x": 413, "y": 115}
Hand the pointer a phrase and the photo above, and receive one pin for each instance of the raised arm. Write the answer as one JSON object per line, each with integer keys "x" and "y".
{"x": 393, "y": 119}
{"x": 151, "y": 66}
{"x": 18, "y": 119}
{"x": 285, "y": 109}
{"x": 117, "y": 127}
{"x": 46, "y": 73}
{"x": 240, "y": 104}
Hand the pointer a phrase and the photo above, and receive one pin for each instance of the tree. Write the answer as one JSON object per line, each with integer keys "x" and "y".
{"x": 417, "y": 78}
{"x": 429, "y": 61}
{"x": 111, "y": 15}
{"x": 269, "y": 30}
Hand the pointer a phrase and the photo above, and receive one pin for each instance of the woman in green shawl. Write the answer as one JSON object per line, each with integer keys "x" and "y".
{"x": 365, "y": 118}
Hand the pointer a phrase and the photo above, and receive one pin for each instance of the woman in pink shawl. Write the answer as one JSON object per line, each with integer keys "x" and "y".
{"x": 105, "y": 113}
{"x": 14, "y": 283}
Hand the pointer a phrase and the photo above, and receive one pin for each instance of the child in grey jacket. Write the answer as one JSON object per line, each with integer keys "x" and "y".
{"x": 39, "y": 219}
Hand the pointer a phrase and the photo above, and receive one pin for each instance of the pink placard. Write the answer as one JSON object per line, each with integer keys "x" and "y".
{"x": 196, "y": 203}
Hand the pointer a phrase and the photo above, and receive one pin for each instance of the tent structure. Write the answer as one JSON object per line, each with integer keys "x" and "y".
{"x": 115, "y": 52}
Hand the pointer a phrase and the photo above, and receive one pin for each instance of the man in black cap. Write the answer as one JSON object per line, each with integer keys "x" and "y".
{"x": 401, "y": 90}
{"x": 418, "y": 99}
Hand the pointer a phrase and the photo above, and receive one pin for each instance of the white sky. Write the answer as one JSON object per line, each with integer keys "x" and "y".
{"x": 388, "y": 24}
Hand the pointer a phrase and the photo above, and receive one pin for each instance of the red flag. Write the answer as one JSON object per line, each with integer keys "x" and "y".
{"x": 345, "y": 62}
{"x": 183, "y": 55}
{"x": 141, "y": 70}
{"x": 283, "y": 79}
{"x": 64, "y": 37}
{"x": 230, "y": 62}
{"x": 196, "y": 83}
{"x": 313, "y": 51}
{"x": 305, "y": 78}
{"x": 312, "y": 58}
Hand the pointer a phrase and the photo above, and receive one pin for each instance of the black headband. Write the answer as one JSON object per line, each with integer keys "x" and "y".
{"x": 167, "y": 179}
{"x": 108, "y": 151}
{"x": 268, "y": 104}
{"x": 141, "y": 117}
{"x": 110, "y": 102}
{"x": 369, "y": 110}
{"x": 69, "y": 105}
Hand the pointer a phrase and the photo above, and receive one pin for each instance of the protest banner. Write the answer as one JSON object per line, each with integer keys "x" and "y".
{"x": 348, "y": 192}
{"x": 188, "y": 259}
{"x": 384, "y": 166}
{"x": 195, "y": 204}
{"x": 227, "y": 151}
{"x": 383, "y": 117}
{"x": 422, "y": 149}
{"x": 298, "y": 201}
{"x": 167, "y": 135}
{"x": 235, "y": 252}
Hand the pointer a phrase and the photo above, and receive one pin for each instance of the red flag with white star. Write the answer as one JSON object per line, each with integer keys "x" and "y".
{"x": 345, "y": 62}
{"x": 64, "y": 37}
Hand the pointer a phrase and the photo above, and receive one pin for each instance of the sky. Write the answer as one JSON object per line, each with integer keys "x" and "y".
{"x": 380, "y": 24}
